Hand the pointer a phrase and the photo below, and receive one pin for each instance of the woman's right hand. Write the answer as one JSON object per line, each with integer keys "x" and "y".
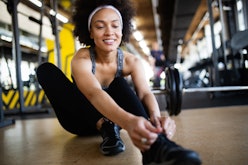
{"x": 142, "y": 133}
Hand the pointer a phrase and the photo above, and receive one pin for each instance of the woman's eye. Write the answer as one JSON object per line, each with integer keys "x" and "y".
{"x": 99, "y": 27}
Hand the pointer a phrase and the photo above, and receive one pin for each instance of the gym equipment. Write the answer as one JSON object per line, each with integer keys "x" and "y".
{"x": 12, "y": 9}
{"x": 171, "y": 99}
{"x": 174, "y": 87}
{"x": 56, "y": 32}
{"x": 174, "y": 90}
{"x": 22, "y": 106}
{"x": 4, "y": 122}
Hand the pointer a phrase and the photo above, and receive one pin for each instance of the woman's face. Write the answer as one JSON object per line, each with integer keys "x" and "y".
{"x": 106, "y": 29}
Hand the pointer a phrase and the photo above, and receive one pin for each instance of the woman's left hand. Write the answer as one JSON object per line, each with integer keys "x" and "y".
{"x": 165, "y": 124}
{"x": 168, "y": 125}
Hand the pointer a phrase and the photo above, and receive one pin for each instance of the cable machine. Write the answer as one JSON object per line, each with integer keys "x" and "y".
{"x": 17, "y": 55}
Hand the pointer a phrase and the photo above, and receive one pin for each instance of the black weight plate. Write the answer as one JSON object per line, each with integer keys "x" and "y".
{"x": 167, "y": 87}
{"x": 171, "y": 98}
{"x": 179, "y": 89}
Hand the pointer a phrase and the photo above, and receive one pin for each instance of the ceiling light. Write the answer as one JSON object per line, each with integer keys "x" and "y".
{"x": 52, "y": 12}
{"x": 59, "y": 16}
{"x": 142, "y": 44}
{"x": 144, "y": 47}
{"x": 36, "y": 2}
{"x": 62, "y": 18}
{"x": 137, "y": 35}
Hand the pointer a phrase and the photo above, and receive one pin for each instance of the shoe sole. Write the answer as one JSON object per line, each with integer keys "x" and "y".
{"x": 182, "y": 160}
{"x": 174, "y": 163}
{"x": 113, "y": 151}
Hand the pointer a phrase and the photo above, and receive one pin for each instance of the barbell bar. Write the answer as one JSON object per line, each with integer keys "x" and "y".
{"x": 204, "y": 89}
{"x": 174, "y": 90}
{"x": 215, "y": 89}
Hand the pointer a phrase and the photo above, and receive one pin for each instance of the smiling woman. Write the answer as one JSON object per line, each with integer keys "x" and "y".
{"x": 82, "y": 13}
{"x": 100, "y": 100}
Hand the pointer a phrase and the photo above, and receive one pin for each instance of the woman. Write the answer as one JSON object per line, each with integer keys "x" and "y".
{"x": 159, "y": 64}
{"x": 100, "y": 99}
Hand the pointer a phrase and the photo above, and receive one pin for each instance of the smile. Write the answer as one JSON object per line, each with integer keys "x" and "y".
{"x": 109, "y": 41}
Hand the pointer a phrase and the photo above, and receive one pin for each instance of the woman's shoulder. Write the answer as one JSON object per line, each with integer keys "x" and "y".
{"x": 131, "y": 63}
{"x": 130, "y": 58}
{"x": 82, "y": 53}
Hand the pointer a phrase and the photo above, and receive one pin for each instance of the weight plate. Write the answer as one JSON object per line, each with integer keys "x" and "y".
{"x": 179, "y": 91}
{"x": 171, "y": 98}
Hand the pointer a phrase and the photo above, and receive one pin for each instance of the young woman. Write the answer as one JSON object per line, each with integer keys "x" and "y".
{"x": 100, "y": 99}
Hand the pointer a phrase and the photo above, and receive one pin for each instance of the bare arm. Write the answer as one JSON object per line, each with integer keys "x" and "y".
{"x": 142, "y": 88}
{"x": 164, "y": 124}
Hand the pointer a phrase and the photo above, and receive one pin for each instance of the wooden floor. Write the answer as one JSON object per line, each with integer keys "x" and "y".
{"x": 219, "y": 135}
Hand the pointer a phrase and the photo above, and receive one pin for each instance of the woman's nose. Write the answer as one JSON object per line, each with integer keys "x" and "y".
{"x": 109, "y": 31}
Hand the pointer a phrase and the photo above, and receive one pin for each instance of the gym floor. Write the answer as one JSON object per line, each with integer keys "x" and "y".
{"x": 218, "y": 133}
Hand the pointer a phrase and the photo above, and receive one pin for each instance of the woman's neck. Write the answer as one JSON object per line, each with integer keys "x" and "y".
{"x": 105, "y": 56}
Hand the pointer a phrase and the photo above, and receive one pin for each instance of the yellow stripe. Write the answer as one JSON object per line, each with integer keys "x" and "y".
{"x": 28, "y": 98}
{"x": 41, "y": 96}
{"x": 7, "y": 97}
{"x": 14, "y": 101}
{"x": 33, "y": 99}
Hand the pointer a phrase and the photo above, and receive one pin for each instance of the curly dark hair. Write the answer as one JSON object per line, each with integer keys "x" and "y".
{"x": 83, "y": 8}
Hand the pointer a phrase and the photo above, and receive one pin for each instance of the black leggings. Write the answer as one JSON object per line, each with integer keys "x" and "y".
{"x": 74, "y": 112}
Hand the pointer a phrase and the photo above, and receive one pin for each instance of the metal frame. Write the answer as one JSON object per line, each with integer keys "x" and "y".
{"x": 17, "y": 50}
{"x": 56, "y": 34}
{"x": 4, "y": 122}
{"x": 17, "y": 56}
{"x": 216, "y": 81}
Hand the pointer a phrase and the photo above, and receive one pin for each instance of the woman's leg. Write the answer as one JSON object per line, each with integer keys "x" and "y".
{"x": 125, "y": 97}
{"x": 73, "y": 110}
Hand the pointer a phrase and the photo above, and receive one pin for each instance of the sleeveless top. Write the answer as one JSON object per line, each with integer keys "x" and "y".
{"x": 120, "y": 58}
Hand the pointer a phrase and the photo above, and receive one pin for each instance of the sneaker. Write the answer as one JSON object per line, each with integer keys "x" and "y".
{"x": 112, "y": 143}
{"x": 164, "y": 151}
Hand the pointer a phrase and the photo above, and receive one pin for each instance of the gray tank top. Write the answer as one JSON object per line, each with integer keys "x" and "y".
{"x": 119, "y": 64}
{"x": 119, "y": 61}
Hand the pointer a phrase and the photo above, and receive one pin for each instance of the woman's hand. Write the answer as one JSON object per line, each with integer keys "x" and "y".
{"x": 169, "y": 126}
{"x": 142, "y": 133}
{"x": 165, "y": 124}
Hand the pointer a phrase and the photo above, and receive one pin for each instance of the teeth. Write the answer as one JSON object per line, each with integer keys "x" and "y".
{"x": 108, "y": 40}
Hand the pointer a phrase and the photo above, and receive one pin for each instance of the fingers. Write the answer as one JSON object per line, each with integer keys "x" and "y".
{"x": 156, "y": 122}
{"x": 156, "y": 128}
{"x": 144, "y": 136}
{"x": 169, "y": 126}
{"x": 144, "y": 143}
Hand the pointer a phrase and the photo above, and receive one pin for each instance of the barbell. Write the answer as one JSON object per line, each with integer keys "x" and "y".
{"x": 174, "y": 90}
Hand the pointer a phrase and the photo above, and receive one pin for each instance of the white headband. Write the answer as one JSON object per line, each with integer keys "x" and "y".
{"x": 103, "y": 7}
